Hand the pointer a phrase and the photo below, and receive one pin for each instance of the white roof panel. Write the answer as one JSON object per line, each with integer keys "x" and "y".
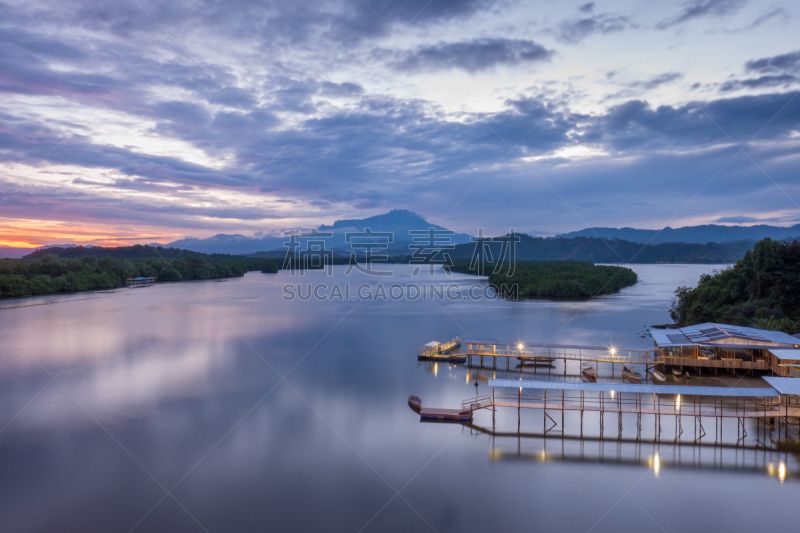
{"x": 783, "y": 354}
{"x": 644, "y": 389}
{"x": 784, "y": 385}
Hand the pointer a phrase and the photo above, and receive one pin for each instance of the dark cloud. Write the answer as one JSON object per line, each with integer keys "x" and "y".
{"x": 780, "y": 80}
{"x": 587, "y": 8}
{"x": 635, "y": 125}
{"x": 777, "y": 71}
{"x": 781, "y": 63}
{"x": 703, "y": 8}
{"x": 575, "y": 30}
{"x": 345, "y": 89}
{"x": 472, "y": 56}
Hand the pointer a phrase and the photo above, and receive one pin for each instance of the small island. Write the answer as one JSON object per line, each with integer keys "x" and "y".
{"x": 573, "y": 280}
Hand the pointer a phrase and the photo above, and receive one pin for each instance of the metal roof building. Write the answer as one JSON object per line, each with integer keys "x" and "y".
{"x": 724, "y": 335}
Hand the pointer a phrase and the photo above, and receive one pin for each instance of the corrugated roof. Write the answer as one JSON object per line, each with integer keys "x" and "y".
{"x": 710, "y": 334}
{"x": 784, "y": 385}
{"x": 643, "y": 389}
{"x": 788, "y": 353}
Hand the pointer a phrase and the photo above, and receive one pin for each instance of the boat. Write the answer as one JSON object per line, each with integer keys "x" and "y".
{"x": 588, "y": 370}
{"x": 546, "y": 361}
{"x": 631, "y": 374}
{"x": 686, "y": 375}
{"x": 658, "y": 376}
{"x": 415, "y": 403}
{"x": 676, "y": 374}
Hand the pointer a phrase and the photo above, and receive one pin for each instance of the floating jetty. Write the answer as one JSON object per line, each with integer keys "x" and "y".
{"x": 427, "y": 413}
{"x": 705, "y": 346}
{"x": 779, "y": 398}
{"x": 442, "y": 351}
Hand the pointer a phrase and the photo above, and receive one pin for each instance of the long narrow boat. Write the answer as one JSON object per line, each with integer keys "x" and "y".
{"x": 588, "y": 370}
{"x": 536, "y": 360}
{"x": 631, "y": 374}
{"x": 658, "y": 376}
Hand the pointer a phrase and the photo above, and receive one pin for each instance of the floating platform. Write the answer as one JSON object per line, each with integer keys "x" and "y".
{"x": 447, "y": 358}
{"x": 429, "y": 413}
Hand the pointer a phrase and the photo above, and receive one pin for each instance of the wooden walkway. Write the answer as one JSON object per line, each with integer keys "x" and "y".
{"x": 473, "y": 351}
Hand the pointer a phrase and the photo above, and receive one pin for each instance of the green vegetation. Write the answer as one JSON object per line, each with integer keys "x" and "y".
{"x": 761, "y": 291}
{"x": 557, "y": 279}
{"x": 598, "y": 250}
{"x": 56, "y": 270}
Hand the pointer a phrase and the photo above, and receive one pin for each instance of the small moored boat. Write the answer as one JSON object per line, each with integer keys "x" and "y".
{"x": 631, "y": 374}
{"x": 687, "y": 375}
{"x": 415, "y": 403}
{"x": 676, "y": 374}
{"x": 658, "y": 376}
{"x": 588, "y": 370}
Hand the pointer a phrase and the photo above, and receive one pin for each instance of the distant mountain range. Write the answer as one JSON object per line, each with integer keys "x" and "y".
{"x": 10, "y": 252}
{"x": 399, "y": 222}
{"x": 690, "y": 234}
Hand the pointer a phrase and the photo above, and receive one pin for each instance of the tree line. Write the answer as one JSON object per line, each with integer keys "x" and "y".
{"x": 553, "y": 279}
{"x": 761, "y": 290}
{"x": 55, "y": 270}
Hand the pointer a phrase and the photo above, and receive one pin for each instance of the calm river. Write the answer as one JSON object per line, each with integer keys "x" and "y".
{"x": 222, "y": 406}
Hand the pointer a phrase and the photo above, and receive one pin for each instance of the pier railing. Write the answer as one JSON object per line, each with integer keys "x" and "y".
{"x": 658, "y": 404}
{"x": 544, "y": 352}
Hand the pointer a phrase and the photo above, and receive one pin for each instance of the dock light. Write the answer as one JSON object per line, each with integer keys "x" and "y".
{"x": 781, "y": 471}
{"x": 677, "y": 400}
{"x": 520, "y": 346}
{"x": 612, "y": 394}
{"x": 656, "y": 464}
{"x": 613, "y": 351}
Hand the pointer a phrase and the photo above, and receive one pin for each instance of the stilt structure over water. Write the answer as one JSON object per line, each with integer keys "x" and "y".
{"x": 724, "y": 346}
{"x": 710, "y": 346}
{"x": 778, "y": 399}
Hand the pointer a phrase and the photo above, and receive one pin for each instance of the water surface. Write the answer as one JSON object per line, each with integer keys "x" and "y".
{"x": 220, "y": 406}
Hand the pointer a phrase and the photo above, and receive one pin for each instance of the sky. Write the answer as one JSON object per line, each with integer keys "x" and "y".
{"x": 125, "y": 122}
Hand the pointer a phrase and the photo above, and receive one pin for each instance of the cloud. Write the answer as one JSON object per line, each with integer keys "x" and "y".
{"x": 656, "y": 81}
{"x": 777, "y": 71}
{"x": 702, "y": 8}
{"x": 781, "y": 63}
{"x": 575, "y": 30}
{"x": 471, "y": 56}
{"x": 780, "y": 80}
{"x": 737, "y": 219}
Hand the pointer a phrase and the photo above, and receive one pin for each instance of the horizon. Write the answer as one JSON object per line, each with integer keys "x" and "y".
{"x": 279, "y": 233}
{"x": 146, "y": 123}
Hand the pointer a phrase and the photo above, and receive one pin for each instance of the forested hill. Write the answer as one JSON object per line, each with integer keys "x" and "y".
{"x": 57, "y": 270}
{"x": 597, "y": 250}
{"x": 761, "y": 290}
{"x": 137, "y": 251}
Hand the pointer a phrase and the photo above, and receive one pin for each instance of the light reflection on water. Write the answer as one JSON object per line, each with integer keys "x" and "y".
{"x": 156, "y": 383}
